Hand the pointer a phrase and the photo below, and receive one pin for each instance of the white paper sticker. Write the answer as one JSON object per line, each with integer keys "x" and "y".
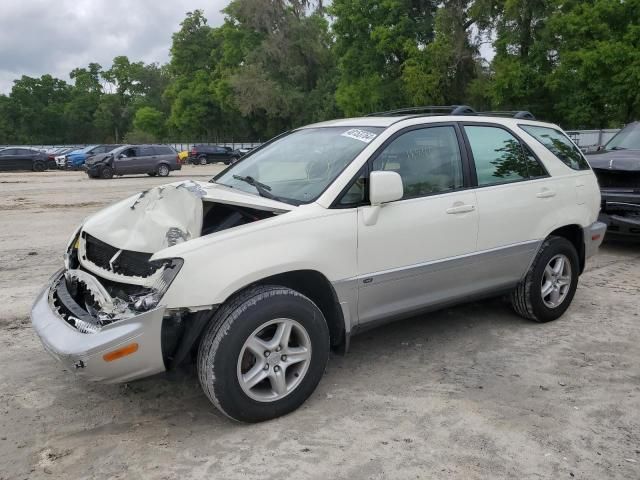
{"x": 361, "y": 135}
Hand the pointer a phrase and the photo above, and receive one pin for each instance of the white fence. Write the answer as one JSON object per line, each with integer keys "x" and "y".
{"x": 178, "y": 146}
{"x": 589, "y": 140}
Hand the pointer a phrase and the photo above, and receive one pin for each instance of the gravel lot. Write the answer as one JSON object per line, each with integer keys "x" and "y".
{"x": 468, "y": 392}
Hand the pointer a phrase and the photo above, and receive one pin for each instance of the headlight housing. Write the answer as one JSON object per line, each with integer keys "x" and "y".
{"x": 170, "y": 270}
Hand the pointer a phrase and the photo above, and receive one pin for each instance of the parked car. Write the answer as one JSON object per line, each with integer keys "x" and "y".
{"x": 244, "y": 150}
{"x": 320, "y": 234}
{"x": 59, "y": 156}
{"x": 617, "y": 166}
{"x": 51, "y": 157}
{"x": 203, "y": 154}
{"x": 134, "y": 159}
{"x": 76, "y": 159}
{"x": 21, "y": 158}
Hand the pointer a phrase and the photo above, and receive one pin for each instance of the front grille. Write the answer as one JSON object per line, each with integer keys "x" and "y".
{"x": 618, "y": 179}
{"x": 130, "y": 263}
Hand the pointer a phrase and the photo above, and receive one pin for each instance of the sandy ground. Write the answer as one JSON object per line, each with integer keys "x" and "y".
{"x": 469, "y": 392}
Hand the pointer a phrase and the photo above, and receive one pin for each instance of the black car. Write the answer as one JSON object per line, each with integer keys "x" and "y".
{"x": 21, "y": 158}
{"x": 203, "y": 154}
{"x": 617, "y": 166}
{"x": 153, "y": 160}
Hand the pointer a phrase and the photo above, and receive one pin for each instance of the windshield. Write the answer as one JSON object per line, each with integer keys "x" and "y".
{"x": 87, "y": 149}
{"x": 296, "y": 168}
{"x": 626, "y": 139}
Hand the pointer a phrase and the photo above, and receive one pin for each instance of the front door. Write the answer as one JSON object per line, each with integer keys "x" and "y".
{"x": 416, "y": 253}
{"x": 125, "y": 161}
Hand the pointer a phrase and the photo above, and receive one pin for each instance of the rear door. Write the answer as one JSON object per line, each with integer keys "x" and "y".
{"x": 514, "y": 199}
{"x": 166, "y": 154}
{"x": 146, "y": 159}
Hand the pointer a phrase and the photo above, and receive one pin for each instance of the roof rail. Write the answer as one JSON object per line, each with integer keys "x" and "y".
{"x": 523, "y": 114}
{"x": 427, "y": 110}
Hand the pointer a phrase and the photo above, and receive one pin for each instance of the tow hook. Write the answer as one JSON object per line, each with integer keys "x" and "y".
{"x": 79, "y": 364}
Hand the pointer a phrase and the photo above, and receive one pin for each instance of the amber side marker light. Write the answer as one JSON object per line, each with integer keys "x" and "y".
{"x": 120, "y": 352}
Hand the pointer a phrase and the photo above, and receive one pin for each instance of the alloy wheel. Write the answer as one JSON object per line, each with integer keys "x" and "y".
{"x": 274, "y": 359}
{"x": 556, "y": 281}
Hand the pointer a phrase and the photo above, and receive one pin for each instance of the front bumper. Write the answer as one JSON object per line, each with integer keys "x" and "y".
{"x": 593, "y": 237}
{"x": 82, "y": 353}
{"x": 621, "y": 211}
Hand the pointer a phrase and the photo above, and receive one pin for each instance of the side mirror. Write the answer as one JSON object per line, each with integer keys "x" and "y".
{"x": 384, "y": 187}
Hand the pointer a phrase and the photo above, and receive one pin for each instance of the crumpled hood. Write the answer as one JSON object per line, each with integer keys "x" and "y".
{"x": 166, "y": 215}
{"x": 627, "y": 160}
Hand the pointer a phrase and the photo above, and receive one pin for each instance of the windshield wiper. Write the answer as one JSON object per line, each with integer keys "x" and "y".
{"x": 617, "y": 148}
{"x": 263, "y": 189}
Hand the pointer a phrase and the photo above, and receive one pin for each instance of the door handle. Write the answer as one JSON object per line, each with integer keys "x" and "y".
{"x": 546, "y": 193}
{"x": 460, "y": 209}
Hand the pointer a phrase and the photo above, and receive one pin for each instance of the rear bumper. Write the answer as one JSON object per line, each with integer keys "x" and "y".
{"x": 593, "y": 237}
{"x": 82, "y": 353}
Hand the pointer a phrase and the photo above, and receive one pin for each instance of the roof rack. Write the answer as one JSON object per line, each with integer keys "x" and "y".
{"x": 427, "y": 110}
{"x": 523, "y": 114}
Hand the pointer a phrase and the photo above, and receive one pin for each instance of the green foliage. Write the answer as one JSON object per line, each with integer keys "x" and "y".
{"x": 276, "y": 64}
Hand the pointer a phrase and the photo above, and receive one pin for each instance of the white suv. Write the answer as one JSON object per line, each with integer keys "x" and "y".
{"x": 322, "y": 232}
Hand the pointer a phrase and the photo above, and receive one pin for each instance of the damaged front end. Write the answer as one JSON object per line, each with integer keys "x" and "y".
{"x": 88, "y": 303}
{"x": 618, "y": 174}
{"x": 109, "y": 296}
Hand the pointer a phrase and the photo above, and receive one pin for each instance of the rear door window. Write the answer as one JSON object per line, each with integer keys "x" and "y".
{"x": 146, "y": 151}
{"x": 498, "y": 155}
{"x": 559, "y": 144}
{"x": 164, "y": 150}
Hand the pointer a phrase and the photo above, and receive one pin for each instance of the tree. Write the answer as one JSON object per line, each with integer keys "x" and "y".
{"x": 595, "y": 82}
{"x": 524, "y": 58}
{"x": 282, "y": 79}
{"x": 151, "y": 122}
{"x": 374, "y": 40}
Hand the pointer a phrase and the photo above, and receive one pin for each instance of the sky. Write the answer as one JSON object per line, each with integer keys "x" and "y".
{"x": 56, "y": 36}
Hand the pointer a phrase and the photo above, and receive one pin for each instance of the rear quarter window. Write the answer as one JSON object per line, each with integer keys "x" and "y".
{"x": 161, "y": 150}
{"x": 559, "y": 144}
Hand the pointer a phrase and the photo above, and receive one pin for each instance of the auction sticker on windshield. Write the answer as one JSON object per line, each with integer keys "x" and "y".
{"x": 358, "y": 134}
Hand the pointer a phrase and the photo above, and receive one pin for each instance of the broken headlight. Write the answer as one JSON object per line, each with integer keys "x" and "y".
{"x": 150, "y": 300}
{"x": 71, "y": 253}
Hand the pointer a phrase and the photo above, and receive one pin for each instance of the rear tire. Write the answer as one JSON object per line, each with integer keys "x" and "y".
{"x": 163, "y": 170}
{"x": 549, "y": 286}
{"x": 39, "y": 167}
{"x": 106, "y": 172}
{"x": 233, "y": 352}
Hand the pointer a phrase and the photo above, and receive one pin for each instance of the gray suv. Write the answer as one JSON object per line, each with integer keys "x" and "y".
{"x": 134, "y": 159}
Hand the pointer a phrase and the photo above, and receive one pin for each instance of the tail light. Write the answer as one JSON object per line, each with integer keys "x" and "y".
{"x": 178, "y": 160}
{"x": 194, "y": 152}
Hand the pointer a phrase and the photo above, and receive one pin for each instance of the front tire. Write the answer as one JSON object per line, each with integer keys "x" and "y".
{"x": 106, "y": 172}
{"x": 263, "y": 353}
{"x": 548, "y": 288}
